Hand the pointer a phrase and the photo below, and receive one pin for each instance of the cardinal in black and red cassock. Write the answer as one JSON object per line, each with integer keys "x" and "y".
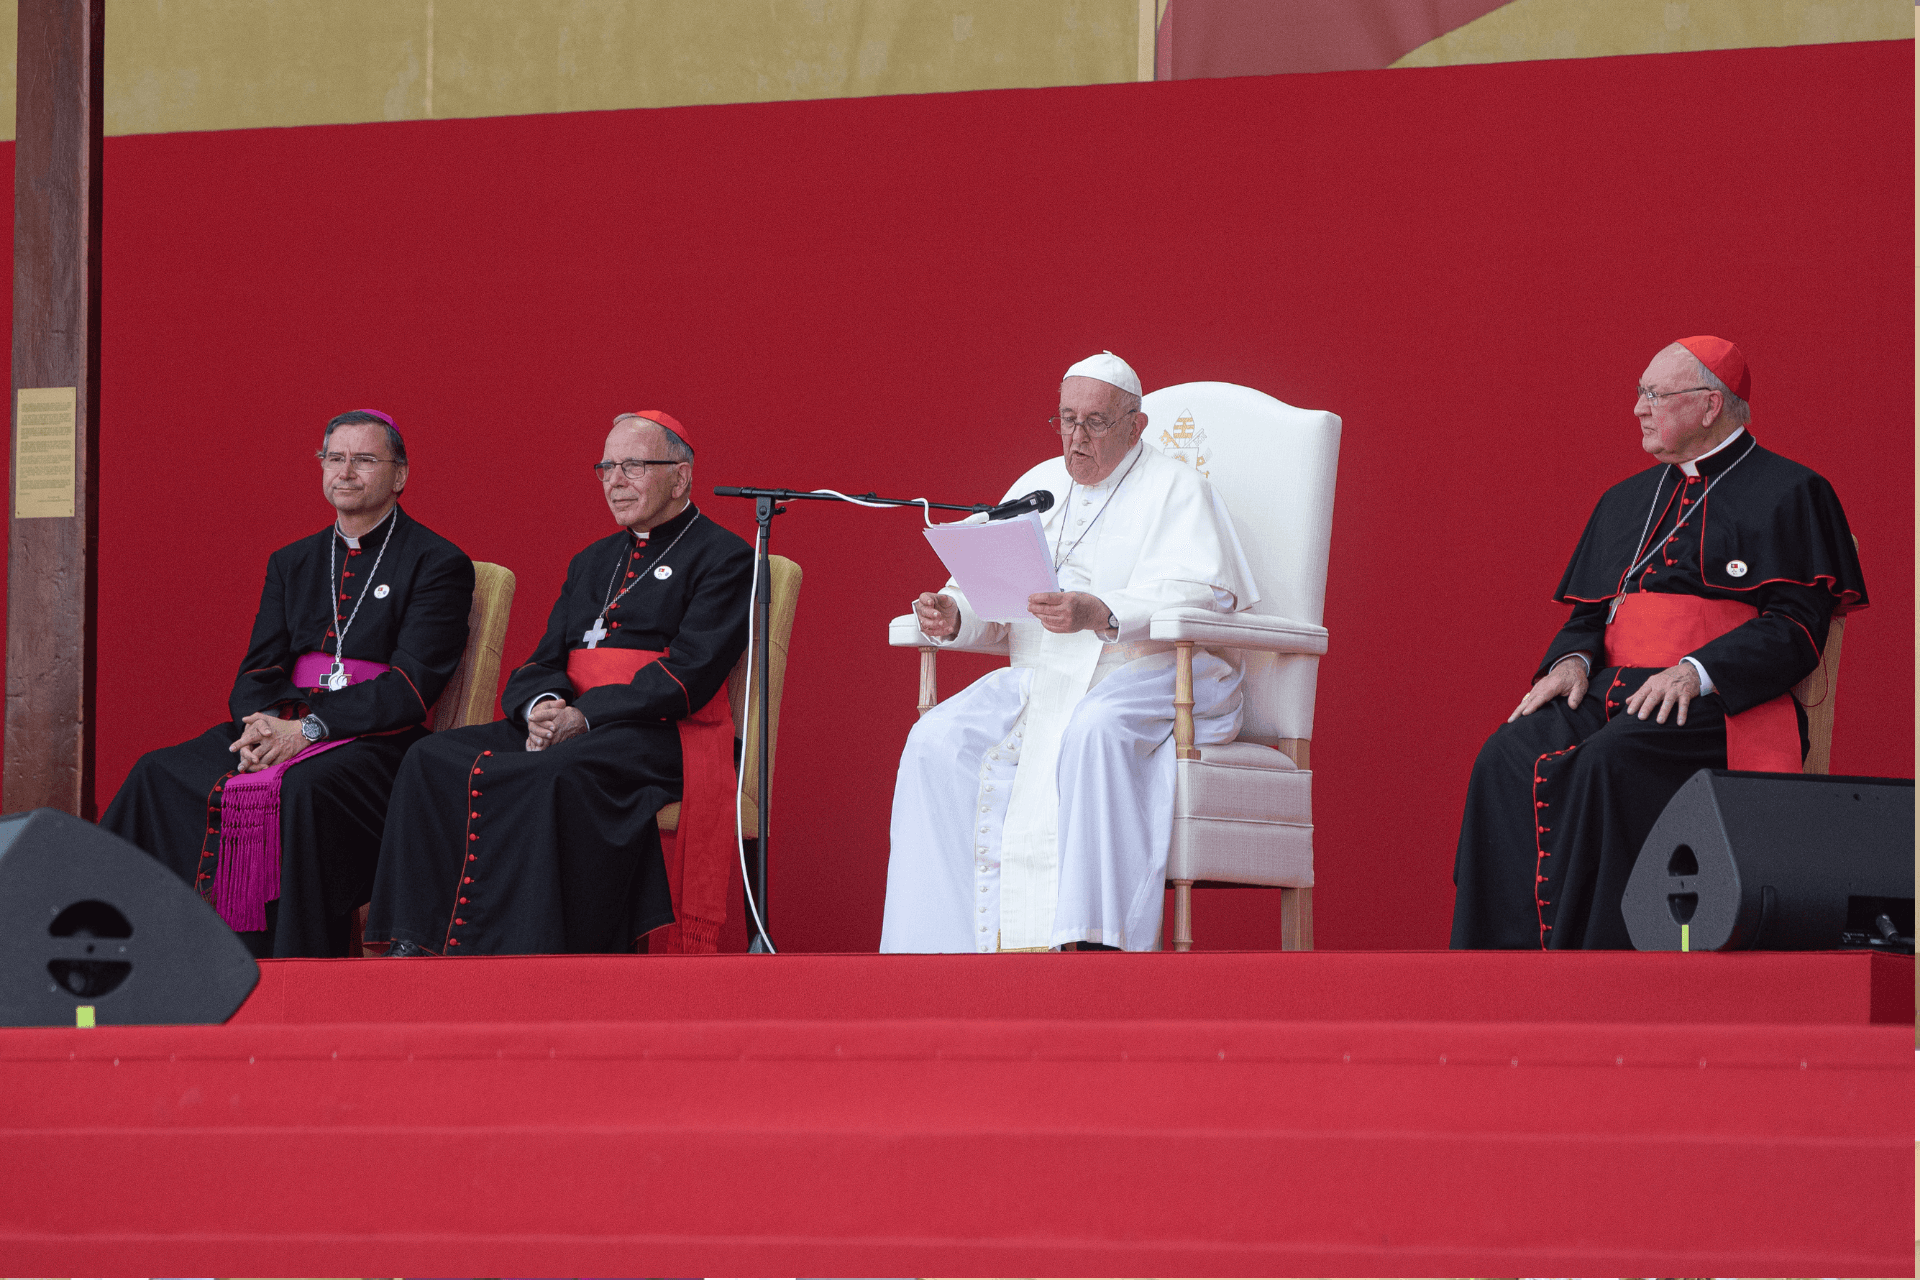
{"x": 1702, "y": 590}
{"x": 538, "y": 833}
{"x": 387, "y": 599}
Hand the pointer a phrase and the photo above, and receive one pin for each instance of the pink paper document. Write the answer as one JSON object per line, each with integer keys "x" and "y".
{"x": 998, "y": 564}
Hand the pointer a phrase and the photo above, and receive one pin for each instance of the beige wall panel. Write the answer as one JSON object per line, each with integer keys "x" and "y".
{"x": 498, "y": 56}
{"x": 176, "y": 65}
{"x": 182, "y": 65}
{"x": 1529, "y": 29}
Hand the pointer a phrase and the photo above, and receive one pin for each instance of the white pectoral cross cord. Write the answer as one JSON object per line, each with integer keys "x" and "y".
{"x": 596, "y": 633}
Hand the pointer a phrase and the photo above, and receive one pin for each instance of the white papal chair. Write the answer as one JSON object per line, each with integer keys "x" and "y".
{"x": 1243, "y": 811}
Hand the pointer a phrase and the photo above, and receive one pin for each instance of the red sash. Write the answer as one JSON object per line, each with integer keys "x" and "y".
{"x": 1656, "y": 630}
{"x": 701, "y": 855}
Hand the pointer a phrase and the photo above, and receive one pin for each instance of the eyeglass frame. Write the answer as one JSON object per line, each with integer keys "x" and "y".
{"x": 351, "y": 461}
{"x": 1655, "y": 397}
{"x": 1063, "y": 431}
{"x": 603, "y": 469}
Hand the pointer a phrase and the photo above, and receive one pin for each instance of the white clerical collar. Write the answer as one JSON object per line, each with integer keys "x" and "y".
{"x": 353, "y": 544}
{"x": 1690, "y": 469}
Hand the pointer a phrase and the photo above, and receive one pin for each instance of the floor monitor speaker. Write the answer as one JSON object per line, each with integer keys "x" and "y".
{"x": 95, "y": 932}
{"x": 1776, "y": 862}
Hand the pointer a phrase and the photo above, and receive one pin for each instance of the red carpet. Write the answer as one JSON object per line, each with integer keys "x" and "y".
{"x": 1323, "y": 1114}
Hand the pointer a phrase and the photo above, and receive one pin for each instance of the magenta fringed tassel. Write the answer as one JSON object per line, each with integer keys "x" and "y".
{"x": 248, "y": 876}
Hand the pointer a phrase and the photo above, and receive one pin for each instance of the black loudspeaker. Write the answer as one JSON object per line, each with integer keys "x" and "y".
{"x": 93, "y": 931}
{"x": 1777, "y": 862}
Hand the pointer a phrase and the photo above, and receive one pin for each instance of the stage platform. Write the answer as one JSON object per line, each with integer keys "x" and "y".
{"x": 1209, "y": 1114}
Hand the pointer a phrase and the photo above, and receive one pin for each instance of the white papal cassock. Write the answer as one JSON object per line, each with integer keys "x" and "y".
{"x": 1034, "y": 808}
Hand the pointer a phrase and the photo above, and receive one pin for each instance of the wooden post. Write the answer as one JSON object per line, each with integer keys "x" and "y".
{"x": 929, "y": 679}
{"x": 52, "y": 571}
{"x": 1296, "y": 919}
{"x": 1183, "y": 748}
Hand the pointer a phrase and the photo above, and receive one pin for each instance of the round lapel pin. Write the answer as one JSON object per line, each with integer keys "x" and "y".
{"x": 664, "y": 572}
{"x": 1736, "y": 568}
{"x": 380, "y": 592}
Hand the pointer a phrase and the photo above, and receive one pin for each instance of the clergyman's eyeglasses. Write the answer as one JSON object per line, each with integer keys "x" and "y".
{"x": 1655, "y": 397}
{"x": 631, "y": 468}
{"x": 355, "y": 462}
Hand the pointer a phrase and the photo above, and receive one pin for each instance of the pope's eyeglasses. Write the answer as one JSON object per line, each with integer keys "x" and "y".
{"x": 1066, "y": 424}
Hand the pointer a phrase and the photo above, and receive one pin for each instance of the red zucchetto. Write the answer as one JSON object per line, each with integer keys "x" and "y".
{"x": 1725, "y": 361}
{"x": 671, "y": 423}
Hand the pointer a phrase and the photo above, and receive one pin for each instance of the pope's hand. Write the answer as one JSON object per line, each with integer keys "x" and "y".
{"x": 938, "y": 615}
{"x": 1675, "y": 687}
{"x": 1069, "y": 611}
{"x": 1569, "y": 676}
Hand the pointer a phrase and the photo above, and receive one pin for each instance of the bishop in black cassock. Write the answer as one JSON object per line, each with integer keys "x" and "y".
{"x": 538, "y": 833}
{"x": 393, "y": 595}
{"x": 1701, "y": 591}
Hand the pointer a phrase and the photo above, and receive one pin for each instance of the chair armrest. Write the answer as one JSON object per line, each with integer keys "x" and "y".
{"x": 1238, "y": 631}
{"x": 904, "y": 633}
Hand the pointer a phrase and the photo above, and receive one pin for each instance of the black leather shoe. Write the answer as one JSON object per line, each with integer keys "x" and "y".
{"x": 401, "y": 947}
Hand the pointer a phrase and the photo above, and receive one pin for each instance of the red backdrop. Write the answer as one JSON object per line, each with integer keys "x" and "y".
{"x": 1471, "y": 266}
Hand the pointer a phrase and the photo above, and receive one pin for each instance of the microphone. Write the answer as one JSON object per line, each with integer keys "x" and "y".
{"x": 1038, "y": 500}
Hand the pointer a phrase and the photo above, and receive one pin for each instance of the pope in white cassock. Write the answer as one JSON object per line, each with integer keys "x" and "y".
{"x": 1034, "y": 808}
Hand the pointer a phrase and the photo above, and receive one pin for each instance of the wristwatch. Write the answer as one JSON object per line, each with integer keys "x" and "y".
{"x": 312, "y": 728}
{"x": 1113, "y": 621}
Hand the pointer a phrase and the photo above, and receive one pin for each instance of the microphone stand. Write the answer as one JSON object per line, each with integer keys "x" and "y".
{"x": 766, "y": 505}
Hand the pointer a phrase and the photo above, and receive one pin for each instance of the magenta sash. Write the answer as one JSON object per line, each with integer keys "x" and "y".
{"x": 248, "y": 876}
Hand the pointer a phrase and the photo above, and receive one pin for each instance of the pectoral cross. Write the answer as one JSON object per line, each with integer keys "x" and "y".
{"x": 596, "y": 633}
{"x": 1615, "y": 607}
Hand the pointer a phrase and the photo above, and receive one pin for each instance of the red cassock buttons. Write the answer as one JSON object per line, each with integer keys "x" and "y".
{"x": 474, "y": 815}
{"x": 476, "y": 793}
{"x": 463, "y": 900}
{"x": 453, "y": 942}
{"x": 466, "y": 879}
{"x": 486, "y": 753}
{"x": 458, "y": 920}
{"x": 471, "y": 837}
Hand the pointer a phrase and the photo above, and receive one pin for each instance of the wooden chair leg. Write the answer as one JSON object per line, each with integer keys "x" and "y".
{"x": 1296, "y": 919}
{"x": 929, "y": 680}
{"x": 1183, "y": 915}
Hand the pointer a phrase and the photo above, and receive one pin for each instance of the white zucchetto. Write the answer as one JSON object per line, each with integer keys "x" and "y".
{"x": 1108, "y": 368}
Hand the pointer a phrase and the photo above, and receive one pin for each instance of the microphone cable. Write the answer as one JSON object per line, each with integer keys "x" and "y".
{"x": 740, "y": 774}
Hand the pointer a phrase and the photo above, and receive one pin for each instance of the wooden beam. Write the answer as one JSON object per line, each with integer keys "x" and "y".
{"x": 53, "y": 536}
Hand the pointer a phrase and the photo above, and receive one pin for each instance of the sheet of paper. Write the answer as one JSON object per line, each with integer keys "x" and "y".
{"x": 998, "y": 564}
{"x": 43, "y": 463}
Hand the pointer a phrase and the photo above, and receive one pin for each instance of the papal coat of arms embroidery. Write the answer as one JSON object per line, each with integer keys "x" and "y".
{"x": 1184, "y": 441}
